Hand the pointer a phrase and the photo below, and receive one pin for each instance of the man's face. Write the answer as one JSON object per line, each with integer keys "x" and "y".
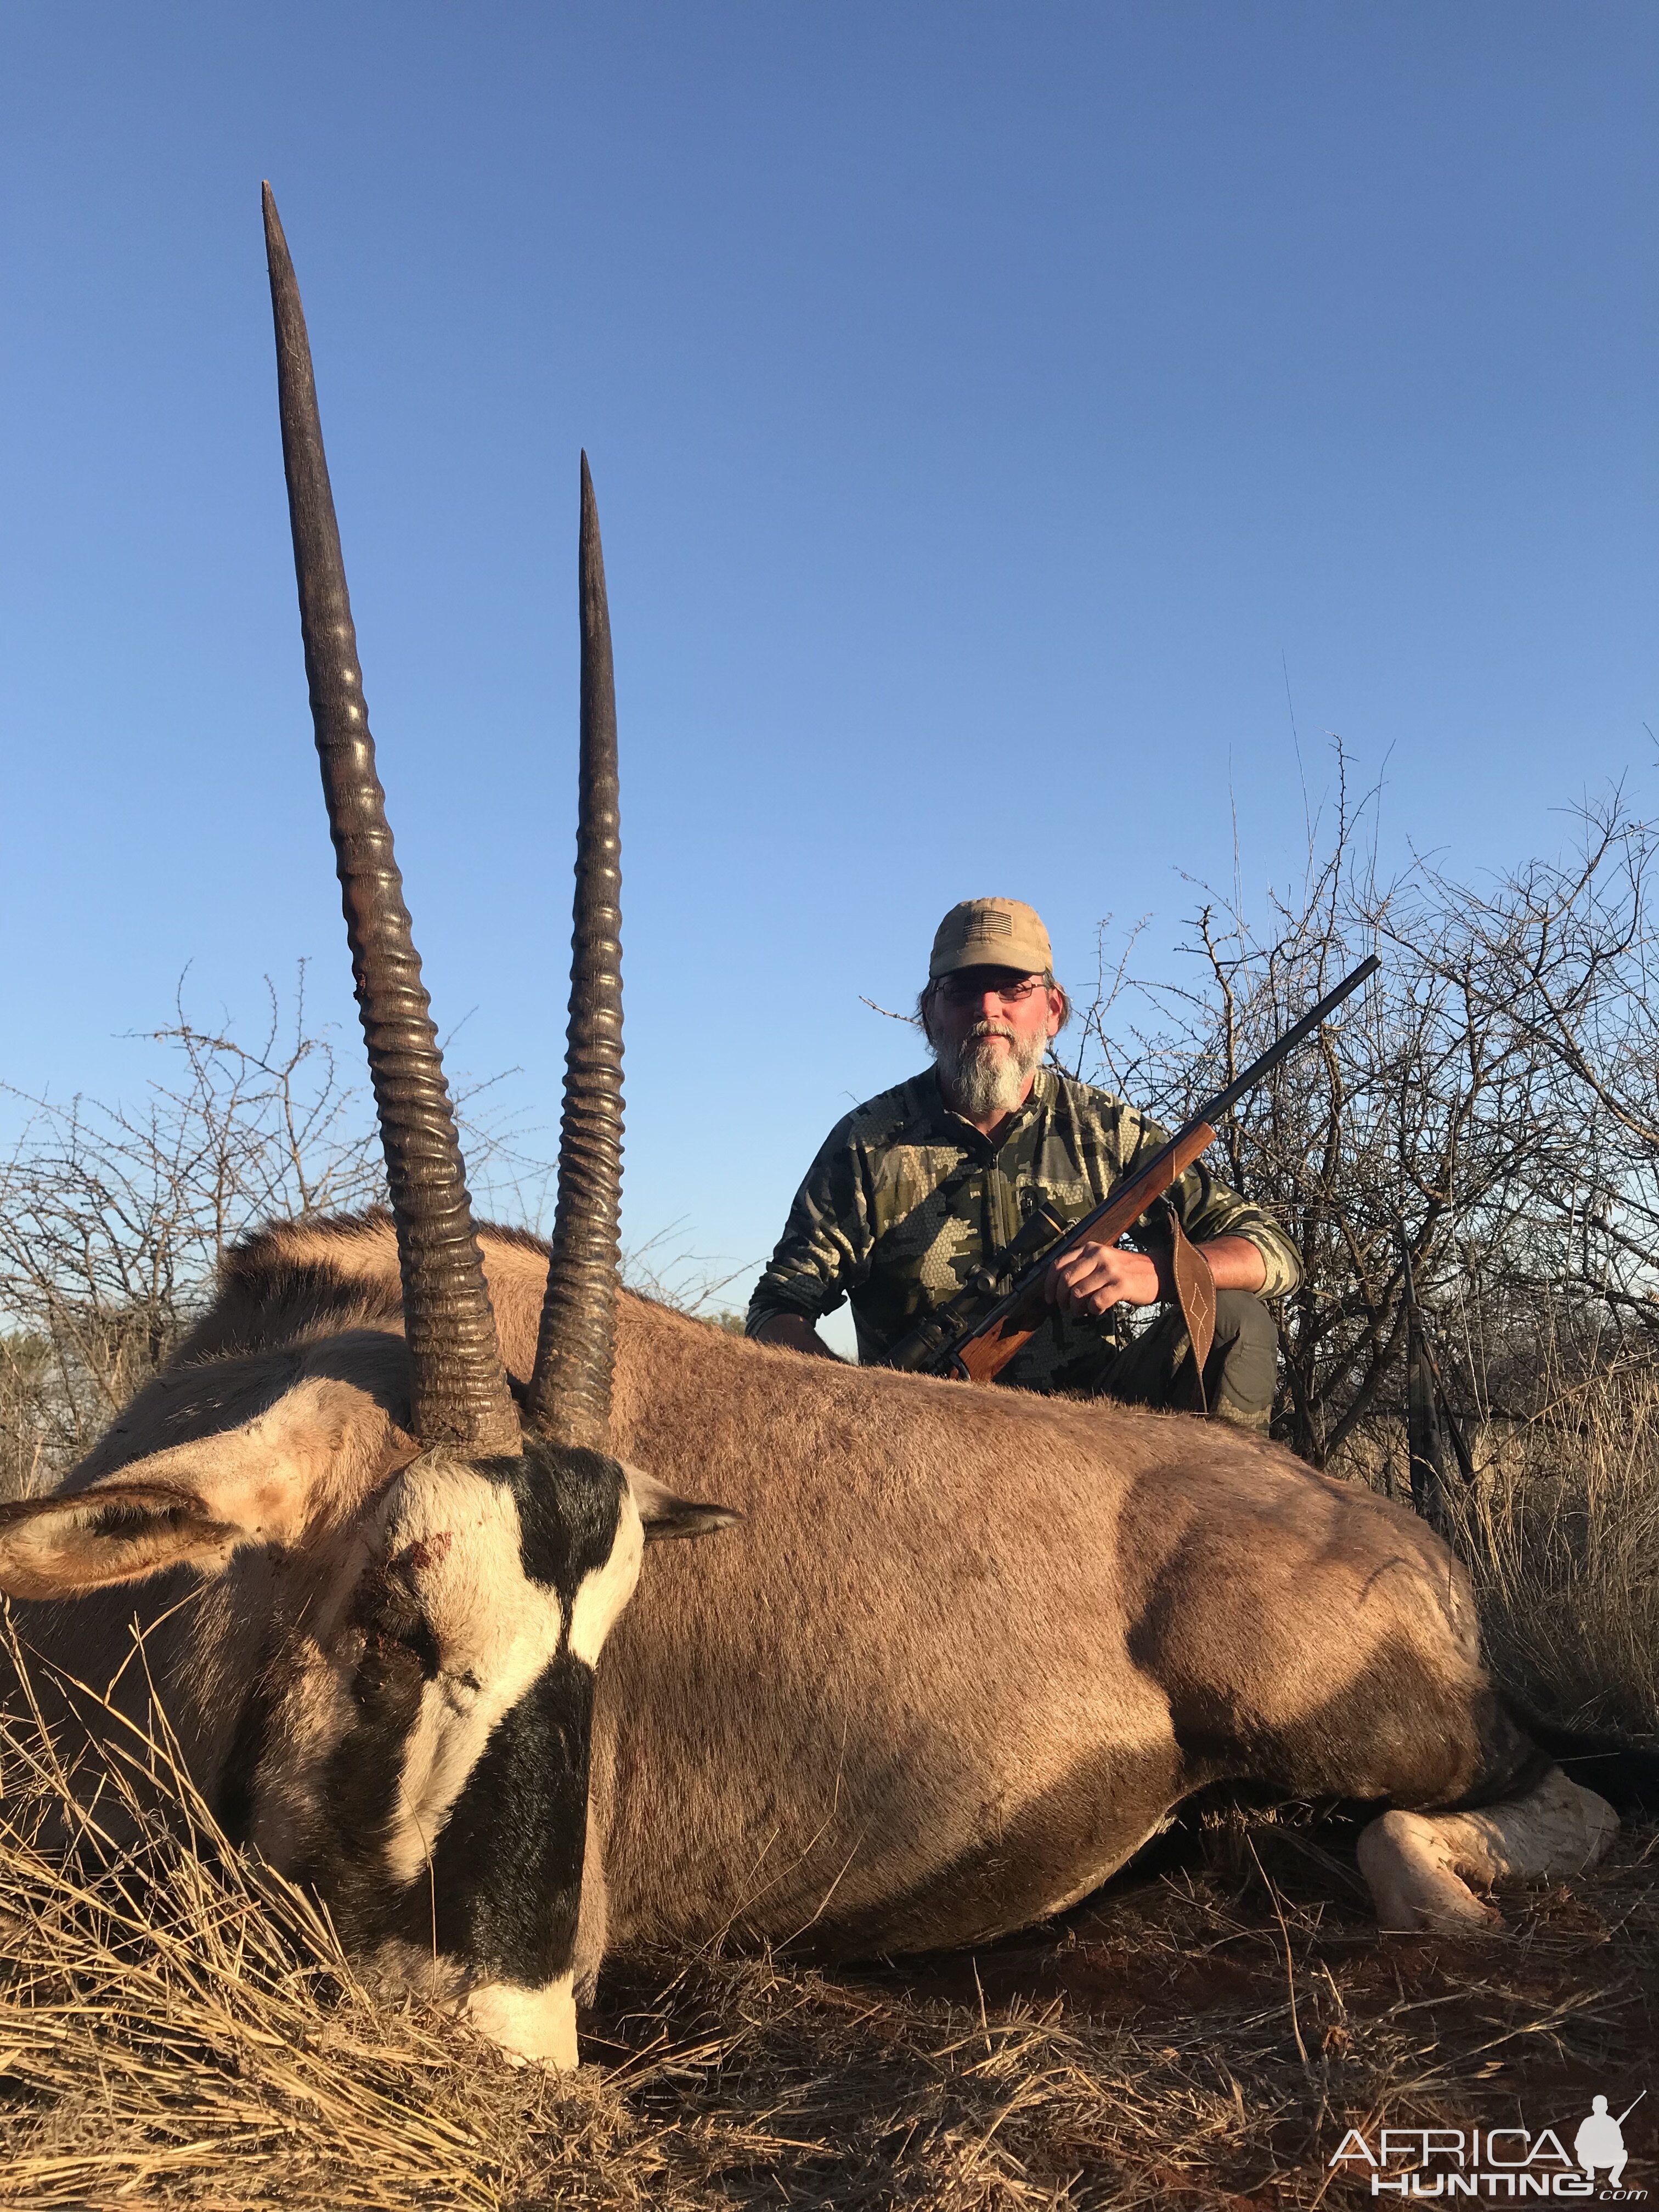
{"x": 988, "y": 1027}
{"x": 1002, "y": 1005}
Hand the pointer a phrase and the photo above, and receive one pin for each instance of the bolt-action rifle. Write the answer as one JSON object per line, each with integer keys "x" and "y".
{"x": 1001, "y": 1306}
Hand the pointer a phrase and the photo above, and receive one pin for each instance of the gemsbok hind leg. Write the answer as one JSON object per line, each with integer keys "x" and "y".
{"x": 1420, "y": 1865}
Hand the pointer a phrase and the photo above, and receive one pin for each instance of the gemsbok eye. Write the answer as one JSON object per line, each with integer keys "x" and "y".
{"x": 394, "y": 1624}
{"x": 415, "y": 1637}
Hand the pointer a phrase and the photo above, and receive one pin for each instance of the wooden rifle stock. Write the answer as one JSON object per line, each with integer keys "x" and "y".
{"x": 983, "y": 1357}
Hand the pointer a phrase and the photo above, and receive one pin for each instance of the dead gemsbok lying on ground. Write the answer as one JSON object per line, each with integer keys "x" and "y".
{"x": 966, "y": 1653}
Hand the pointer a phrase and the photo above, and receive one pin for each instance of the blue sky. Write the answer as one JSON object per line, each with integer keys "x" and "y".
{"x": 989, "y": 407}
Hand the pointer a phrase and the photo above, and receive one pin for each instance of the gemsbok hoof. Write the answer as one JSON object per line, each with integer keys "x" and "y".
{"x": 1420, "y": 1865}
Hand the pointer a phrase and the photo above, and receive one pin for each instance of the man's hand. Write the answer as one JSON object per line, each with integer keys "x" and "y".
{"x": 1091, "y": 1279}
{"x": 797, "y": 1332}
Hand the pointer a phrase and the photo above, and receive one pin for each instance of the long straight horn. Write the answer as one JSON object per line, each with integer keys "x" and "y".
{"x": 570, "y": 1389}
{"x": 461, "y": 1395}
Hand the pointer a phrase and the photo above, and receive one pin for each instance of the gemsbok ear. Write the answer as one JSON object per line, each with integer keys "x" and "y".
{"x": 121, "y": 1532}
{"x": 665, "y": 1514}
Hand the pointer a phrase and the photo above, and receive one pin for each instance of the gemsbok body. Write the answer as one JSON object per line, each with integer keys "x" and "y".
{"x": 380, "y": 1522}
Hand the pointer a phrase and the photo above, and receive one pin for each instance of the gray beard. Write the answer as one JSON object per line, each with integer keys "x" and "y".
{"x": 977, "y": 1079}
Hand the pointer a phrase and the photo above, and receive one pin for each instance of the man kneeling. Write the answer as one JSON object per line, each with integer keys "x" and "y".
{"x": 914, "y": 1190}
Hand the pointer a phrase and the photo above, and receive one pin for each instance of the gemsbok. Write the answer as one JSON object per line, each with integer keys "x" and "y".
{"x": 962, "y": 1652}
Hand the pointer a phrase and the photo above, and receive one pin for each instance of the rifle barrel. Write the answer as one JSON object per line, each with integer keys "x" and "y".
{"x": 1213, "y": 1108}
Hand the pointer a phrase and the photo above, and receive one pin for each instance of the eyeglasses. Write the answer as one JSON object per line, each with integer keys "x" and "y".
{"x": 960, "y": 990}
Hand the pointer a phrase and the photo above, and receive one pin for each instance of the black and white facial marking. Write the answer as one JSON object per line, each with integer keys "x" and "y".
{"x": 445, "y": 1787}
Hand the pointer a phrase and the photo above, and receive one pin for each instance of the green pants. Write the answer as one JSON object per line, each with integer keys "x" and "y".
{"x": 1239, "y": 1374}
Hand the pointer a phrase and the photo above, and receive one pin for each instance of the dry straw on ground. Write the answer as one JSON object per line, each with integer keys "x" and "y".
{"x": 178, "y": 2027}
{"x": 174, "y": 2014}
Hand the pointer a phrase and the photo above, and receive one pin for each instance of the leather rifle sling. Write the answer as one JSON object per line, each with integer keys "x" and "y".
{"x": 1194, "y": 1290}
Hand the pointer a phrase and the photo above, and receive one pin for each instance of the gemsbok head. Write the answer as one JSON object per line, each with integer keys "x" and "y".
{"x": 411, "y": 1562}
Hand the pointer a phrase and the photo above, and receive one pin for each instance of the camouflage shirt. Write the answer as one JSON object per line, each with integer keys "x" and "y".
{"x": 906, "y": 1198}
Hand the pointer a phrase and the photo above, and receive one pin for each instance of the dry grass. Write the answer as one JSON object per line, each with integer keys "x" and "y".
{"x": 174, "y": 2014}
{"x": 1203, "y": 2036}
{"x": 178, "y": 2026}
{"x": 1560, "y": 1533}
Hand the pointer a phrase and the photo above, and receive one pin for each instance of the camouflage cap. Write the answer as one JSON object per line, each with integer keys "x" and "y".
{"x": 991, "y": 932}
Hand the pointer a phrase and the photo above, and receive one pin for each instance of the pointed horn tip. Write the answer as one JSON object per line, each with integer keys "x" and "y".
{"x": 275, "y": 240}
